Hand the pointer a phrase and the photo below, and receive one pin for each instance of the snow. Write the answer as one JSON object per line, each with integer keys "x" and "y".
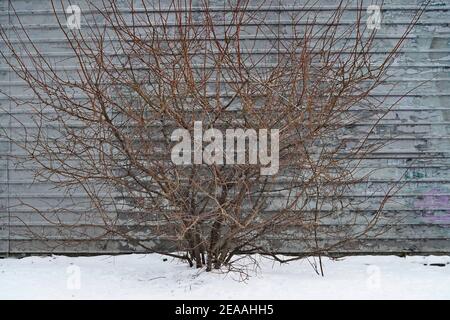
{"x": 153, "y": 276}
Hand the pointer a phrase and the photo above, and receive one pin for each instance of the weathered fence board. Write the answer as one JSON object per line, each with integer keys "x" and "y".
{"x": 419, "y": 128}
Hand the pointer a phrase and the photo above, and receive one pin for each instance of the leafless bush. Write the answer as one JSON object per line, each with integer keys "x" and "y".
{"x": 105, "y": 128}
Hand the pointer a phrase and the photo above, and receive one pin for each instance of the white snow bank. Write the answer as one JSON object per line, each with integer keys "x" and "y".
{"x": 149, "y": 277}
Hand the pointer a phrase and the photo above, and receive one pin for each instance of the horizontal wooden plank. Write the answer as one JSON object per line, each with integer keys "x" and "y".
{"x": 388, "y": 246}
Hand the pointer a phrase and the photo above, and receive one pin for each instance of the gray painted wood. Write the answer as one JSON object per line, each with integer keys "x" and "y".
{"x": 419, "y": 127}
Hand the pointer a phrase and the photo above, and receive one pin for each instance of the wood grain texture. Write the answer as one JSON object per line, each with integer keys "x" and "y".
{"x": 418, "y": 130}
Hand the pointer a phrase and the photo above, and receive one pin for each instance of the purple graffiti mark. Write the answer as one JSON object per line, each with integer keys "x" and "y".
{"x": 435, "y": 206}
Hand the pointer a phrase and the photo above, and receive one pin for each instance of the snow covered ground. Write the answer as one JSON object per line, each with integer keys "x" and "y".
{"x": 150, "y": 277}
